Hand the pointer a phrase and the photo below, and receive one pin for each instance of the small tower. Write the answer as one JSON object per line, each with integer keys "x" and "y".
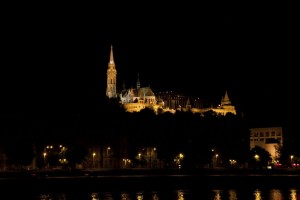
{"x": 111, "y": 88}
{"x": 225, "y": 100}
{"x": 138, "y": 85}
{"x": 226, "y": 105}
{"x": 188, "y": 105}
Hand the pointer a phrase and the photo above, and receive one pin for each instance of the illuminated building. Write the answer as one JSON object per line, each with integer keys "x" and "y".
{"x": 269, "y": 138}
{"x": 138, "y": 98}
{"x": 111, "y": 89}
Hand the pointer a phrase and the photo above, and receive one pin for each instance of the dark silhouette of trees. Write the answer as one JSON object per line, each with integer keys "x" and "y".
{"x": 76, "y": 154}
{"x": 19, "y": 155}
{"x": 199, "y": 137}
{"x": 259, "y": 157}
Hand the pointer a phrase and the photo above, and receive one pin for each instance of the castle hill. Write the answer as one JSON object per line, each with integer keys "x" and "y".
{"x": 136, "y": 128}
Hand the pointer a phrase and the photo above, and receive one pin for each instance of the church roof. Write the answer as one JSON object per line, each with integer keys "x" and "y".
{"x": 144, "y": 91}
{"x": 138, "y": 92}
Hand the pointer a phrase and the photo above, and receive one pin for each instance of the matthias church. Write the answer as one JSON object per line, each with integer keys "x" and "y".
{"x": 138, "y": 98}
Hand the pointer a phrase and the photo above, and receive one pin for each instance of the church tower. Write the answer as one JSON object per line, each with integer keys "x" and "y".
{"x": 111, "y": 88}
{"x": 226, "y": 105}
{"x": 225, "y": 100}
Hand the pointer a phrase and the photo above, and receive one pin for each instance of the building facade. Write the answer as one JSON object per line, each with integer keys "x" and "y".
{"x": 138, "y": 98}
{"x": 268, "y": 138}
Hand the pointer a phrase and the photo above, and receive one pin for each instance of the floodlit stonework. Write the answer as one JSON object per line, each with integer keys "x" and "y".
{"x": 138, "y": 98}
{"x": 111, "y": 90}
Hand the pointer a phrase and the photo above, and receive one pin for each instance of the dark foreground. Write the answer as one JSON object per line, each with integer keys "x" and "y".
{"x": 152, "y": 179}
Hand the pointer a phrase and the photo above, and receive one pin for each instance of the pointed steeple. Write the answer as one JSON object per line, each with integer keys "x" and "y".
{"x": 226, "y": 105}
{"x": 188, "y": 104}
{"x": 124, "y": 86}
{"x": 138, "y": 82}
{"x": 225, "y": 100}
{"x": 111, "y": 58}
{"x": 111, "y": 88}
{"x": 226, "y": 96}
{"x": 188, "y": 101}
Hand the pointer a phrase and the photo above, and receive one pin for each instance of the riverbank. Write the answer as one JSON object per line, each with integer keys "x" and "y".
{"x": 148, "y": 172}
{"x": 146, "y": 178}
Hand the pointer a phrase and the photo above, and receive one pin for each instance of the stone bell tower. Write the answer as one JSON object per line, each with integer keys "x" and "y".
{"x": 111, "y": 88}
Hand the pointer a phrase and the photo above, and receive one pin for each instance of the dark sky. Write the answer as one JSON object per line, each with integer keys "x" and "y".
{"x": 54, "y": 56}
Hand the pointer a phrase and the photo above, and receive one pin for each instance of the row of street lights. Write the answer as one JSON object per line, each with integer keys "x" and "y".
{"x": 94, "y": 154}
{"x": 50, "y": 150}
{"x": 150, "y": 154}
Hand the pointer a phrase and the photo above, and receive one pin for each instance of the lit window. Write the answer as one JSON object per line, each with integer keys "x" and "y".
{"x": 273, "y": 134}
{"x": 261, "y": 134}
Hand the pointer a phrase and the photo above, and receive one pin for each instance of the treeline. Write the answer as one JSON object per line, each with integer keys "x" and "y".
{"x": 198, "y": 137}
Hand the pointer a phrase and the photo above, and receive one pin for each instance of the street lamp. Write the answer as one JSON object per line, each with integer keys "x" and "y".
{"x": 150, "y": 156}
{"x": 181, "y": 156}
{"x": 292, "y": 157}
{"x": 94, "y": 154}
{"x": 151, "y": 149}
{"x": 107, "y": 151}
{"x": 256, "y": 156}
{"x": 44, "y": 154}
{"x": 139, "y": 156}
{"x": 125, "y": 162}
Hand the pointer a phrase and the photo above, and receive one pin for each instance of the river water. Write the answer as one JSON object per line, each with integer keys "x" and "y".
{"x": 141, "y": 187}
{"x": 163, "y": 193}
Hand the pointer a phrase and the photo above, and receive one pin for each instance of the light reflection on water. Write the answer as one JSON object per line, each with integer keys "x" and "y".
{"x": 232, "y": 195}
{"x": 215, "y": 194}
{"x": 257, "y": 195}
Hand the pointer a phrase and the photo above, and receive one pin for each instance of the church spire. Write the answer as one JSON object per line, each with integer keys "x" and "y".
{"x": 188, "y": 104}
{"x": 111, "y": 58}
{"x": 138, "y": 82}
{"x": 111, "y": 88}
{"x": 226, "y": 96}
{"x": 124, "y": 86}
{"x": 225, "y": 100}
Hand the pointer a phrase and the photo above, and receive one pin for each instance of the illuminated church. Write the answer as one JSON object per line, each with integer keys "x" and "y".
{"x": 138, "y": 98}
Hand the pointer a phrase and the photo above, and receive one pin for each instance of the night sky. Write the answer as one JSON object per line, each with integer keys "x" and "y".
{"x": 55, "y": 56}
